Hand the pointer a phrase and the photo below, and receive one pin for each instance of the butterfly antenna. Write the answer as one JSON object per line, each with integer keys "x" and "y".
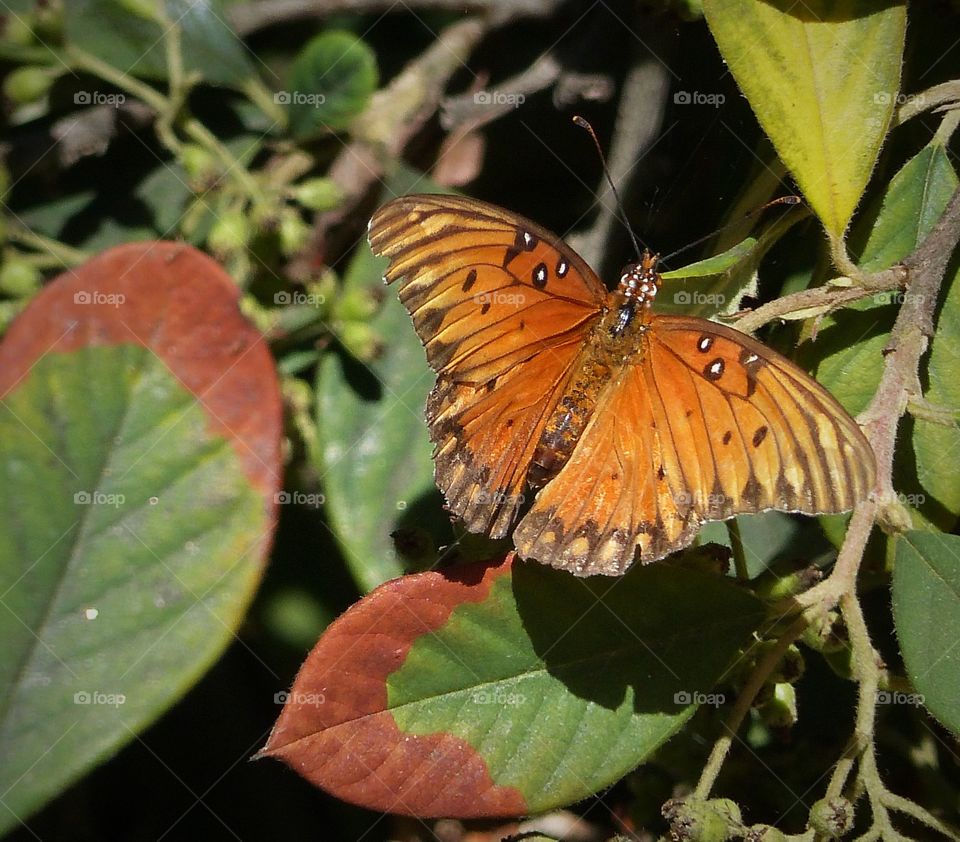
{"x": 781, "y": 200}
{"x": 583, "y": 124}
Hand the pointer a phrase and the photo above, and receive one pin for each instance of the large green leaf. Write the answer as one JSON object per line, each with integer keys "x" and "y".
{"x": 509, "y": 689}
{"x": 139, "y": 456}
{"x": 822, "y": 78}
{"x": 926, "y": 609}
{"x": 134, "y": 43}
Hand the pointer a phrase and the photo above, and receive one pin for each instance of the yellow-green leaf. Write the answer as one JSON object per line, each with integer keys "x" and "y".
{"x": 822, "y": 78}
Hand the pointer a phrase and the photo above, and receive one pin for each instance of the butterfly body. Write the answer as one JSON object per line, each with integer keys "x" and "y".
{"x": 633, "y": 428}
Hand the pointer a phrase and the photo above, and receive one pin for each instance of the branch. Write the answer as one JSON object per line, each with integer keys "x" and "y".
{"x": 394, "y": 116}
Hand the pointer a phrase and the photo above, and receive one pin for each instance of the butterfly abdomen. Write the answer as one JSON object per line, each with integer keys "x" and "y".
{"x": 614, "y": 340}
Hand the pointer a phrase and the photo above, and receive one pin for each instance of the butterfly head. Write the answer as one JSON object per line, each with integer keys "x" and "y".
{"x": 640, "y": 282}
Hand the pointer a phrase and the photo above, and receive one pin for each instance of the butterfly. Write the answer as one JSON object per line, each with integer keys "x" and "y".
{"x": 630, "y": 428}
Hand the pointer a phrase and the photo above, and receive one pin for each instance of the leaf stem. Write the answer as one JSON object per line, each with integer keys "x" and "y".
{"x": 758, "y": 677}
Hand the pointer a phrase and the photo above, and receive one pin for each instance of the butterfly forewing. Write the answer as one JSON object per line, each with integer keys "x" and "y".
{"x": 775, "y": 437}
{"x": 487, "y": 290}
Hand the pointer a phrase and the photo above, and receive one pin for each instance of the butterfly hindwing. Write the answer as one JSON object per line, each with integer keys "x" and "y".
{"x": 485, "y": 437}
{"x": 487, "y": 289}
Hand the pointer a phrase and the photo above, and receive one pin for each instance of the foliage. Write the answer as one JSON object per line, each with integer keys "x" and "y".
{"x": 814, "y": 688}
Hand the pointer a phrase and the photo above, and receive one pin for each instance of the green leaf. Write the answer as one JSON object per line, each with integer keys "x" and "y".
{"x": 767, "y": 537}
{"x": 506, "y": 690}
{"x": 135, "y": 44}
{"x": 926, "y": 609}
{"x": 139, "y": 455}
{"x": 331, "y": 82}
{"x": 374, "y": 450}
{"x": 822, "y": 78}
{"x": 938, "y": 475}
{"x": 717, "y": 285}
{"x": 851, "y": 342}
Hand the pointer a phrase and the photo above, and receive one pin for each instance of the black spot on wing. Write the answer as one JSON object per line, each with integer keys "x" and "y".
{"x": 471, "y": 279}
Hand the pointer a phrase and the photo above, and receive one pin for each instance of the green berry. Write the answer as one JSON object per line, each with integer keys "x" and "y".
{"x": 318, "y": 194}
{"x": 27, "y": 84}
{"x": 231, "y": 232}
{"x": 18, "y": 278}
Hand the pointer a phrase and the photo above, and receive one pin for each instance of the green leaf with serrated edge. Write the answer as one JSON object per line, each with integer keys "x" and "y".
{"x": 926, "y": 610}
{"x": 502, "y": 690}
{"x": 140, "y": 457}
{"x": 822, "y": 78}
{"x": 136, "y": 45}
{"x": 375, "y": 453}
{"x": 716, "y": 286}
{"x": 331, "y": 82}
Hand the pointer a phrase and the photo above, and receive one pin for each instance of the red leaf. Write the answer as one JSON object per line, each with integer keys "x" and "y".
{"x": 335, "y": 728}
{"x": 149, "y": 294}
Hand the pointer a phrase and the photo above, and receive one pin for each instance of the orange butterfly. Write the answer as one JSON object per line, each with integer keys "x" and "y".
{"x": 634, "y": 427}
